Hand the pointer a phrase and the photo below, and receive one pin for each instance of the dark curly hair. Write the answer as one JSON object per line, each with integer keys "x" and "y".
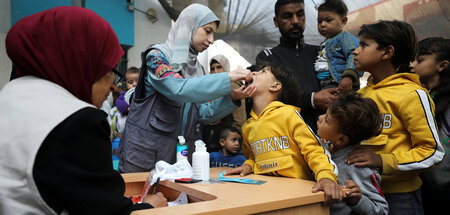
{"x": 290, "y": 90}
{"x": 441, "y": 48}
{"x": 358, "y": 118}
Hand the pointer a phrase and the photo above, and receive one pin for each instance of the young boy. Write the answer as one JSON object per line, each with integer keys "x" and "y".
{"x": 276, "y": 139}
{"x": 230, "y": 141}
{"x": 120, "y": 112}
{"x": 409, "y": 142}
{"x": 349, "y": 120}
{"x": 131, "y": 79}
{"x": 334, "y": 65}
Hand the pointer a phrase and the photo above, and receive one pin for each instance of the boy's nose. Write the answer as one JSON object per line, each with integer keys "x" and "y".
{"x": 412, "y": 64}
{"x": 321, "y": 117}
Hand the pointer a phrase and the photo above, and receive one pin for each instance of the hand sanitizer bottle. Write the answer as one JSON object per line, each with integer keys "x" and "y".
{"x": 200, "y": 161}
{"x": 182, "y": 149}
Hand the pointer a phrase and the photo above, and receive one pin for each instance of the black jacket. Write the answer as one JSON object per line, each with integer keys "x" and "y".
{"x": 73, "y": 168}
{"x": 299, "y": 58}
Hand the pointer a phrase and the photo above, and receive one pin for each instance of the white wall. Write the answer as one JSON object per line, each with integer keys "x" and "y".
{"x": 5, "y": 25}
{"x": 146, "y": 32}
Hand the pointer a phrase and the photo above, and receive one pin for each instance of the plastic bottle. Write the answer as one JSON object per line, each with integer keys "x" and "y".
{"x": 200, "y": 161}
{"x": 182, "y": 149}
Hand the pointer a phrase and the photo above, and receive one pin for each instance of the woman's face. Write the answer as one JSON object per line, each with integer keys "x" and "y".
{"x": 204, "y": 36}
{"x": 216, "y": 68}
{"x": 101, "y": 89}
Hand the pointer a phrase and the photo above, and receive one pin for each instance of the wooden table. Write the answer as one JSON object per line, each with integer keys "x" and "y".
{"x": 277, "y": 196}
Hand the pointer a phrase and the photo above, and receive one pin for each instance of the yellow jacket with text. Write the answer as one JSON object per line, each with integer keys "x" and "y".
{"x": 409, "y": 141}
{"x": 278, "y": 142}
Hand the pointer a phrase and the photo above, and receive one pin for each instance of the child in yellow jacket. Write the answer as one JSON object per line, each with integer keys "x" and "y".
{"x": 409, "y": 142}
{"x": 278, "y": 142}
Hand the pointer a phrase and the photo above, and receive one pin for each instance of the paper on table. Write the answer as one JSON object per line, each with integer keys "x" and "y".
{"x": 181, "y": 200}
{"x": 240, "y": 180}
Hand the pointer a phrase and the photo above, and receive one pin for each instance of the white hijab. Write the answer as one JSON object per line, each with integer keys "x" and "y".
{"x": 223, "y": 61}
{"x": 178, "y": 48}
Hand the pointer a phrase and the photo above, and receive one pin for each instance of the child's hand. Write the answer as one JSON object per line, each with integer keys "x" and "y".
{"x": 346, "y": 84}
{"x": 364, "y": 157}
{"x": 354, "y": 192}
{"x": 242, "y": 92}
{"x": 242, "y": 170}
{"x": 333, "y": 192}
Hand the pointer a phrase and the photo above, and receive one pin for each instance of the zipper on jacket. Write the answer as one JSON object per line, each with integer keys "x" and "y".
{"x": 296, "y": 47}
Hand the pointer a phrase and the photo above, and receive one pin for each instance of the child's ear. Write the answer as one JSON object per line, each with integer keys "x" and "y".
{"x": 344, "y": 20}
{"x": 442, "y": 65}
{"x": 276, "y": 86}
{"x": 388, "y": 52}
{"x": 222, "y": 142}
{"x": 342, "y": 140}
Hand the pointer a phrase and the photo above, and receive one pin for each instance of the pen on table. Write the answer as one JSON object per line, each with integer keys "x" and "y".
{"x": 156, "y": 186}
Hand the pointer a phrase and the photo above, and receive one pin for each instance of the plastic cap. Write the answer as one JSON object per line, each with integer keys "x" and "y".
{"x": 200, "y": 146}
{"x": 181, "y": 139}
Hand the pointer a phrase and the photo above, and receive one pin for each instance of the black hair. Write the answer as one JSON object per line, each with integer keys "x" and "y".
{"x": 358, "y": 118}
{"x": 290, "y": 90}
{"x": 394, "y": 33}
{"x": 213, "y": 61}
{"x": 337, "y": 6}
{"x": 441, "y": 48}
{"x": 285, "y": 2}
{"x": 226, "y": 131}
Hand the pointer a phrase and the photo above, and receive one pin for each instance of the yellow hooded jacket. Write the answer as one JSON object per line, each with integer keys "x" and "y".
{"x": 409, "y": 141}
{"x": 278, "y": 142}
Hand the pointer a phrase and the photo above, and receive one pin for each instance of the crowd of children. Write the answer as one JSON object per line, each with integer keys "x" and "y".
{"x": 380, "y": 138}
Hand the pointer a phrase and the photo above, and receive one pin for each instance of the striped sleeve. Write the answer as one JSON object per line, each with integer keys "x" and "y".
{"x": 372, "y": 201}
{"x": 315, "y": 153}
{"x": 417, "y": 112}
{"x": 350, "y": 43}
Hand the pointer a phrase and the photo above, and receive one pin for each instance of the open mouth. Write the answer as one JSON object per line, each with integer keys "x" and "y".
{"x": 248, "y": 83}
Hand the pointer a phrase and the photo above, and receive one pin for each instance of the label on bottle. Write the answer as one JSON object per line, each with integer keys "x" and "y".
{"x": 182, "y": 152}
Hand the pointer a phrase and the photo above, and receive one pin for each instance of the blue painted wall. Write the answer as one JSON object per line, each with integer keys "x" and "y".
{"x": 113, "y": 11}
{"x": 23, "y": 8}
{"x": 117, "y": 14}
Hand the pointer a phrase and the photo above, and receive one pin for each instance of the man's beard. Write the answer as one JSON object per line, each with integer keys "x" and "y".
{"x": 292, "y": 35}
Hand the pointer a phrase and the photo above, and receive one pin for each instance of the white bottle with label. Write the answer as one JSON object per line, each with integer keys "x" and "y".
{"x": 200, "y": 161}
{"x": 182, "y": 149}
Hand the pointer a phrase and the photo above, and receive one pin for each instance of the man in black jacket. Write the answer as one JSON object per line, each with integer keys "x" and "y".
{"x": 298, "y": 57}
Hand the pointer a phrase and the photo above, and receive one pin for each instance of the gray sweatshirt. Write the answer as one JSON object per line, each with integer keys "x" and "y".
{"x": 372, "y": 200}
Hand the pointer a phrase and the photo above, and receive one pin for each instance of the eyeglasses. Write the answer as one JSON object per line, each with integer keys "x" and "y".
{"x": 118, "y": 74}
